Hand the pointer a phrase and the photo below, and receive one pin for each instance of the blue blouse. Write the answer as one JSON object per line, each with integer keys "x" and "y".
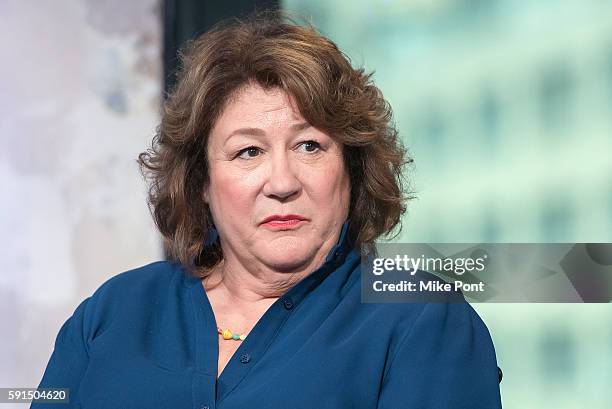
{"x": 147, "y": 338}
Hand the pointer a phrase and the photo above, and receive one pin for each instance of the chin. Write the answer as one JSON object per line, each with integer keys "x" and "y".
{"x": 288, "y": 257}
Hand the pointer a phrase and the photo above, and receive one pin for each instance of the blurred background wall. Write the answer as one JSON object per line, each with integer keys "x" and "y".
{"x": 505, "y": 106}
{"x": 80, "y": 89}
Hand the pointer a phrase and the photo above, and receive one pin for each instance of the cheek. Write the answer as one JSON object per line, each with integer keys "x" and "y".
{"x": 330, "y": 185}
{"x": 231, "y": 192}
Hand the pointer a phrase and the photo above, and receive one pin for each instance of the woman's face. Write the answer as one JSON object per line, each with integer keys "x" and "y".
{"x": 265, "y": 161}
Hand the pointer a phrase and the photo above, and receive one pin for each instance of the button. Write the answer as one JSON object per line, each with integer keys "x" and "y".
{"x": 288, "y": 304}
{"x": 500, "y": 374}
{"x": 245, "y": 358}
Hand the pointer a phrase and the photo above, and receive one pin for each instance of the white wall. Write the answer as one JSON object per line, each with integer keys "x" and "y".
{"x": 79, "y": 99}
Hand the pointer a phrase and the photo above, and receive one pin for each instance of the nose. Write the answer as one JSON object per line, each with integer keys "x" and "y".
{"x": 282, "y": 181}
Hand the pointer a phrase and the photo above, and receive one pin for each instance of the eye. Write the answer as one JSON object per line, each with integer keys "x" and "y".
{"x": 250, "y": 152}
{"x": 310, "y": 146}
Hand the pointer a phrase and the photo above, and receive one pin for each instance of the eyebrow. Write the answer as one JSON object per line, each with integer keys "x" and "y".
{"x": 260, "y": 132}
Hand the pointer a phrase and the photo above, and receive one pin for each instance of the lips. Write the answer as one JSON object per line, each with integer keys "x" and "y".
{"x": 283, "y": 218}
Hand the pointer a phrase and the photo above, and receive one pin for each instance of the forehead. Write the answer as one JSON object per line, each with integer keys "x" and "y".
{"x": 253, "y": 105}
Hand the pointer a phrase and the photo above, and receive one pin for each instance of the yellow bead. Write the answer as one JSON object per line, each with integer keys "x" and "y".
{"x": 226, "y": 334}
{"x": 242, "y": 337}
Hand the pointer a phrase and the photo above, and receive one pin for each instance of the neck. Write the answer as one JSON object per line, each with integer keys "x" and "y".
{"x": 248, "y": 282}
{"x": 242, "y": 287}
{"x": 239, "y": 298}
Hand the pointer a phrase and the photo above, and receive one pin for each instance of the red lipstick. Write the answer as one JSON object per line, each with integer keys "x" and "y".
{"x": 283, "y": 221}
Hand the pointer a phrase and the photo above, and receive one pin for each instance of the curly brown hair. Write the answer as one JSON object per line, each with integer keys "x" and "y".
{"x": 273, "y": 51}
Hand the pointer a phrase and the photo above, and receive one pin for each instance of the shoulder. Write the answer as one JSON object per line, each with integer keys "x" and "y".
{"x": 447, "y": 339}
{"x": 122, "y": 301}
{"x": 131, "y": 296}
{"x": 442, "y": 353}
{"x": 133, "y": 287}
{"x": 429, "y": 318}
{"x": 146, "y": 279}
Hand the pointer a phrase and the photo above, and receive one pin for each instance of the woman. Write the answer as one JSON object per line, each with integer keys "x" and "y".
{"x": 274, "y": 169}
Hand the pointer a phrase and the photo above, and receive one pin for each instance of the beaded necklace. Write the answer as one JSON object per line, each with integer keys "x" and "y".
{"x": 227, "y": 334}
